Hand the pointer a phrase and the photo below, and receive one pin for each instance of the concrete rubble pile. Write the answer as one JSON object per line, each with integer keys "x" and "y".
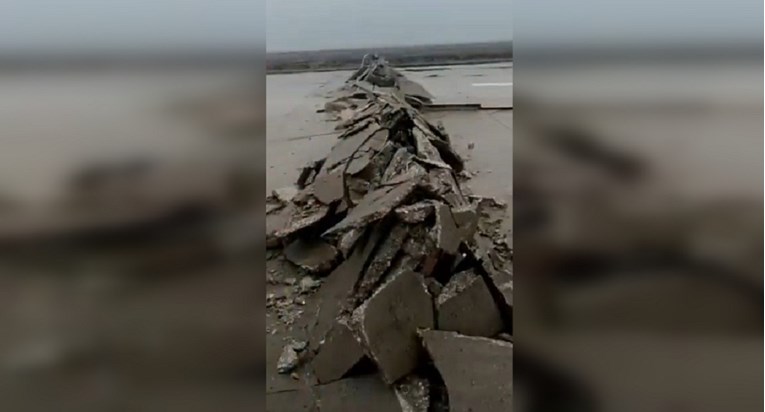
{"x": 375, "y": 74}
{"x": 412, "y": 277}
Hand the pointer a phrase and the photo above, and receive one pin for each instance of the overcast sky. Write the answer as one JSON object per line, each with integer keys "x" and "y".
{"x": 118, "y": 25}
{"x": 329, "y": 24}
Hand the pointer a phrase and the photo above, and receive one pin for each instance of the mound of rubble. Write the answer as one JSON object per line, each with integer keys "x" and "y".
{"x": 411, "y": 277}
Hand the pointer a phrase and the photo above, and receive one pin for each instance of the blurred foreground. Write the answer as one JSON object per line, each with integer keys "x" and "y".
{"x": 638, "y": 232}
{"x": 130, "y": 238}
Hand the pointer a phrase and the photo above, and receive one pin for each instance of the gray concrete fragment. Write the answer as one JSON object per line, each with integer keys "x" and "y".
{"x": 500, "y": 277}
{"x": 381, "y": 261}
{"x": 374, "y": 206}
{"x": 445, "y": 232}
{"x": 338, "y": 353}
{"x": 285, "y": 194}
{"x": 466, "y": 219}
{"x": 288, "y": 360}
{"x": 360, "y": 161}
{"x": 465, "y": 305}
{"x": 478, "y": 372}
{"x": 448, "y": 155}
{"x": 419, "y": 244}
{"x": 364, "y": 393}
{"x": 338, "y": 288}
{"x": 411, "y": 88}
{"x": 292, "y": 219}
{"x": 388, "y": 323}
{"x": 349, "y": 144}
{"x": 315, "y": 256}
{"x": 397, "y": 164}
{"x": 348, "y": 240}
{"x": 413, "y": 394}
{"x": 328, "y": 186}
{"x": 415, "y": 213}
{"x": 426, "y": 150}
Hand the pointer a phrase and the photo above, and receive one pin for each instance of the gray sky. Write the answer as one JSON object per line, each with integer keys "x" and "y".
{"x": 126, "y": 25}
{"x": 331, "y": 24}
{"x": 119, "y": 25}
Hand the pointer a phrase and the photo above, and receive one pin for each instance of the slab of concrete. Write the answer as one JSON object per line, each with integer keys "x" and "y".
{"x": 314, "y": 256}
{"x": 381, "y": 261}
{"x": 374, "y": 206}
{"x": 339, "y": 352}
{"x": 337, "y": 289}
{"x": 388, "y": 323}
{"x": 328, "y": 186}
{"x": 478, "y": 372}
{"x": 445, "y": 231}
{"x": 465, "y": 305}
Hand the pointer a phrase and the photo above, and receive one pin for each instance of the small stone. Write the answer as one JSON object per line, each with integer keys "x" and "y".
{"x": 471, "y": 146}
{"x": 308, "y": 284}
{"x": 290, "y": 281}
{"x": 288, "y": 360}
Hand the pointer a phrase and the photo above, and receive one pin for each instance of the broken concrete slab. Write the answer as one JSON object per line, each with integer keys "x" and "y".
{"x": 363, "y": 393}
{"x": 448, "y": 155}
{"x": 374, "y": 206}
{"x": 348, "y": 240}
{"x": 415, "y": 213}
{"x": 292, "y": 219}
{"x": 381, "y": 261}
{"x": 315, "y": 256}
{"x": 398, "y": 213}
{"x": 445, "y": 232}
{"x": 338, "y": 353}
{"x": 362, "y": 158}
{"x": 285, "y": 194}
{"x": 478, "y": 372}
{"x": 389, "y": 320}
{"x": 334, "y": 293}
{"x": 466, "y": 219}
{"x": 328, "y": 186}
{"x": 346, "y": 147}
{"x": 426, "y": 150}
{"x": 465, "y": 305}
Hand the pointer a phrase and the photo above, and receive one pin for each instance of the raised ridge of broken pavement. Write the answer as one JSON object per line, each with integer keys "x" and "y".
{"x": 402, "y": 272}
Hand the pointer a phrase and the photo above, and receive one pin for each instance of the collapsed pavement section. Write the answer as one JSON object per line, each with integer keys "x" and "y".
{"x": 404, "y": 266}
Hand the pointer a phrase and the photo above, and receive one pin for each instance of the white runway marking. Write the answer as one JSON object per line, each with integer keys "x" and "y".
{"x": 492, "y": 84}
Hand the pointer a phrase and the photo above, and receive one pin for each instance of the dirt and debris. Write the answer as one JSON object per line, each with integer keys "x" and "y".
{"x": 401, "y": 249}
